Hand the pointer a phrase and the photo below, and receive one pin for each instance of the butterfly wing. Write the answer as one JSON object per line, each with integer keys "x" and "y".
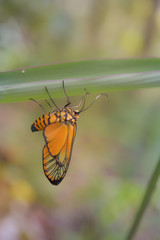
{"x": 55, "y": 136}
{"x": 57, "y": 151}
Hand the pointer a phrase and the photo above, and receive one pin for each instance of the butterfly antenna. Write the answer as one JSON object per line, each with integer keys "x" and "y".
{"x": 49, "y": 104}
{"x": 51, "y": 98}
{"x": 103, "y": 94}
{"x": 38, "y": 104}
{"x": 68, "y": 100}
{"x": 82, "y": 99}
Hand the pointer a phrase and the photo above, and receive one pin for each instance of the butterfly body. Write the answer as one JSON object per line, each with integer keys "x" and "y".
{"x": 64, "y": 116}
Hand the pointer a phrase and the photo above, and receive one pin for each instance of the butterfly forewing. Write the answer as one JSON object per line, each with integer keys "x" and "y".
{"x": 55, "y": 136}
{"x": 55, "y": 165}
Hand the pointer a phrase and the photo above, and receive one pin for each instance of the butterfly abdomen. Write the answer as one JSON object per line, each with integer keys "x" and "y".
{"x": 41, "y": 123}
{"x": 45, "y": 120}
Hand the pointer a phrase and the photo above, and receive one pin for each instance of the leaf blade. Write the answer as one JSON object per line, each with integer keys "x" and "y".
{"x": 94, "y": 75}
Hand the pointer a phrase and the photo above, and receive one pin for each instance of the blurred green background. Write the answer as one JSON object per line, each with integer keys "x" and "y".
{"x": 118, "y": 140}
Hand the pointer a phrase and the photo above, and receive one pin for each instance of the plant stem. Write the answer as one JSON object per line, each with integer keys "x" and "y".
{"x": 145, "y": 202}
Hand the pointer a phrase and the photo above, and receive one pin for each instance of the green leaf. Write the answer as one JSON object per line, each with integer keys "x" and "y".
{"x": 95, "y": 75}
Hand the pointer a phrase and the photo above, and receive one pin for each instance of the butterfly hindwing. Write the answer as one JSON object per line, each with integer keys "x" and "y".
{"x": 56, "y": 158}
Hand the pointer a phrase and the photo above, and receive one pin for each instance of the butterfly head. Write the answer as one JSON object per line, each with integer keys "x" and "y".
{"x": 76, "y": 114}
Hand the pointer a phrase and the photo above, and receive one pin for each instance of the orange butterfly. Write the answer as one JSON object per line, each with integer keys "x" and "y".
{"x": 59, "y": 130}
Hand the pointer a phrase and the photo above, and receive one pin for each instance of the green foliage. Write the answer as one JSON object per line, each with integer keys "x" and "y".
{"x": 96, "y": 76}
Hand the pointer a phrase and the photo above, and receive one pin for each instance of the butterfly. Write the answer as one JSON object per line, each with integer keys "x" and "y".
{"x": 59, "y": 131}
